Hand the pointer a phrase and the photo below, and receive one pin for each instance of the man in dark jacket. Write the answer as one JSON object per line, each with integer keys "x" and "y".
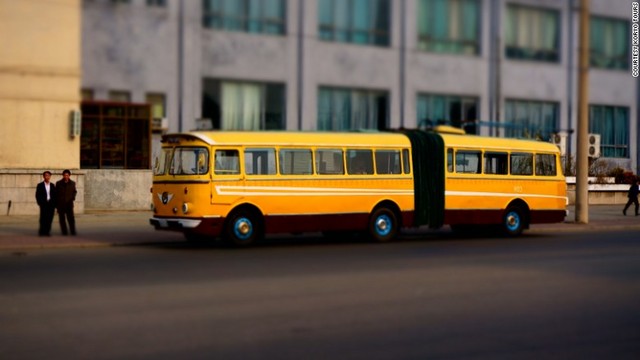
{"x": 66, "y": 190}
{"x": 633, "y": 196}
{"x": 46, "y": 199}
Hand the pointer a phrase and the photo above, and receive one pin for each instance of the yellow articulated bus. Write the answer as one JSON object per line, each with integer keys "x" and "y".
{"x": 243, "y": 185}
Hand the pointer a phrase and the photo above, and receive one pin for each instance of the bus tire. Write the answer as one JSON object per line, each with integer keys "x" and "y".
{"x": 383, "y": 225}
{"x": 513, "y": 221}
{"x": 242, "y": 228}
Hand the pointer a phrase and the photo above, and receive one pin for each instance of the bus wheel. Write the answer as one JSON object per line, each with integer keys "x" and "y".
{"x": 513, "y": 221}
{"x": 383, "y": 225}
{"x": 242, "y": 229}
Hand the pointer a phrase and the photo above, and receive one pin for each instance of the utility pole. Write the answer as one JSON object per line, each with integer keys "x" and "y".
{"x": 582, "y": 145}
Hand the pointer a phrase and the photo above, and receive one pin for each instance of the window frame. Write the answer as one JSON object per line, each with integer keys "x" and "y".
{"x": 224, "y": 171}
{"x": 512, "y": 123}
{"x": 271, "y": 156}
{"x": 499, "y": 157}
{"x": 521, "y": 154}
{"x": 620, "y": 132}
{"x": 215, "y": 16}
{"x": 531, "y": 52}
{"x": 429, "y": 40}
{"x": 469, "y": 152}
{"x": 621, "y": 38}
{"x": 365, "y": 164}
{"x": 284, "y": 162}
{"x": 552, "y": 161}
{"x": 317, "y": 159}
{"x": 347, "y": 33}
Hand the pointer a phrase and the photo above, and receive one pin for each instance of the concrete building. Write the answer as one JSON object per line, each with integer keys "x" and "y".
{"x": 39, "y": 98}
{"x": 495, "y": 67}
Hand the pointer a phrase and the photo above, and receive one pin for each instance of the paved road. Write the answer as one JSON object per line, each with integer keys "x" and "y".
{"x": 567, "y": 296}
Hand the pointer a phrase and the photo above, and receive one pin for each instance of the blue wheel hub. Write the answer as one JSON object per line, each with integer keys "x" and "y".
{"x": 383, "y": 225}
{"x": 243, "y": 228}
{"x": 512, "y": 221}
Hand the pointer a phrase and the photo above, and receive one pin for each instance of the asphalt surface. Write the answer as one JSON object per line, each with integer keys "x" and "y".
{"x": 441, "y": 297}
{"x": 116, "y": 228}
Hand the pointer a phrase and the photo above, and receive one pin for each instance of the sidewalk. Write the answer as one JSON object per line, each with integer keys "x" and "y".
{"x": 95, "y": 229}
{"x": 114, "y": 228}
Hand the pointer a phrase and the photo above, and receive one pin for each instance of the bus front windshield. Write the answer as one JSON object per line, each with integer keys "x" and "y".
{"x": 183, "y": 161}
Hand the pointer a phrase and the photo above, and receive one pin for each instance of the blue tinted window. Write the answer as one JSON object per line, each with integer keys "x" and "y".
{"x": 354, "y": 21}
{"x": 449, "y": 26}
{"x": 254, "y": 16}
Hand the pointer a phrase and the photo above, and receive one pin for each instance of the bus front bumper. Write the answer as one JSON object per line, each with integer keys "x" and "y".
{"x": 175, "y": 223}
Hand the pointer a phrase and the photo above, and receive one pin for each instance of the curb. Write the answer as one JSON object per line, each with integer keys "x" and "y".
{"x": 575, "y": 227}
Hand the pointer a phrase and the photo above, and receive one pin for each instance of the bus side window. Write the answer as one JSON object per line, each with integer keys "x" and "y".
{"x": 227, "y": 162}
{"x": 405, "y": 161}
{"x": 521, "y": 164}
{"x": 329, "y": 162}
{"x": 496, "y": 163}
{"x": 468, "y": 162}
{"x": 260, "y": 161}
{"x": 360, "y": 162}
{"x": 546, "y": 165}
{"x": 295, "y": 162}
{"x": 387, "y": 161}
{"x": 450, "y": 160}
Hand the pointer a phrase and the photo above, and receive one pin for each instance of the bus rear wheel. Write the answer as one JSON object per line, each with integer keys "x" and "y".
{"x": 383, "y": 225}
{"x": 513, "y": 221}
{"x": 242, "y": 228}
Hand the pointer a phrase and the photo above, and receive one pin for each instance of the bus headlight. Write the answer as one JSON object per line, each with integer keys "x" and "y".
{"x": 185, "y": 208}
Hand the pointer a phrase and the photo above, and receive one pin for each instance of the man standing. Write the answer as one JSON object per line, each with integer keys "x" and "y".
{"x": 66, "y": 190}
{"x": 633, "y": 196}
{"x": 46, "y": 199}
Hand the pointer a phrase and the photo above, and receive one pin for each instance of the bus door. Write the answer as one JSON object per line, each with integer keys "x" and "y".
{"x": 227, "y": 185}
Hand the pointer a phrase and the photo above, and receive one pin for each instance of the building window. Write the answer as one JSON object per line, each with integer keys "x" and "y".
{"x": 86, "y": 94}
{"x": 532, "y": 34}
{"x": 115, "y": 136}
{"x": 158, "y": 111}
{"x": 253, "y": 16}
{"x": 458, "y": 111}
{"x": 449, "y": 26}
{"x": 119, "y": 96}
{"x": 530, "y": 119}
{"x": 609, "y": 43}
{"x": 612, "y": 123}
{"x": 349, "y": 109}
{"x": 157, "y": 102}
{"x": 159, "y": 3}
{"x": 233, "y": 105}
{"x": 355, "y": 21}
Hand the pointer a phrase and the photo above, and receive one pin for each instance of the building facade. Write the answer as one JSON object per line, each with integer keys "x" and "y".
{"x": 40, "y": 73}
{"x": 493, "y": 67}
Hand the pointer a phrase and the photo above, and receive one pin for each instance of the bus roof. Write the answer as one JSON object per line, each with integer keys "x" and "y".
{"x": 385, "y": 139}
{"x": 497, "y": 143}
{"x": 302, "y": 138}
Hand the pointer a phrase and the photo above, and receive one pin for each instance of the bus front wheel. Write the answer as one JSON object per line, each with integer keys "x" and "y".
{"x": 513, "y": 221}
{"x": 242, "y": 228}
{"x": 383, "y": 225}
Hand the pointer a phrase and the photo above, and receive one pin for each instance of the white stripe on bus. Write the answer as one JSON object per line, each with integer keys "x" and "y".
{"x": 305, "y": 191}
{"x": 499, "y": 194}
